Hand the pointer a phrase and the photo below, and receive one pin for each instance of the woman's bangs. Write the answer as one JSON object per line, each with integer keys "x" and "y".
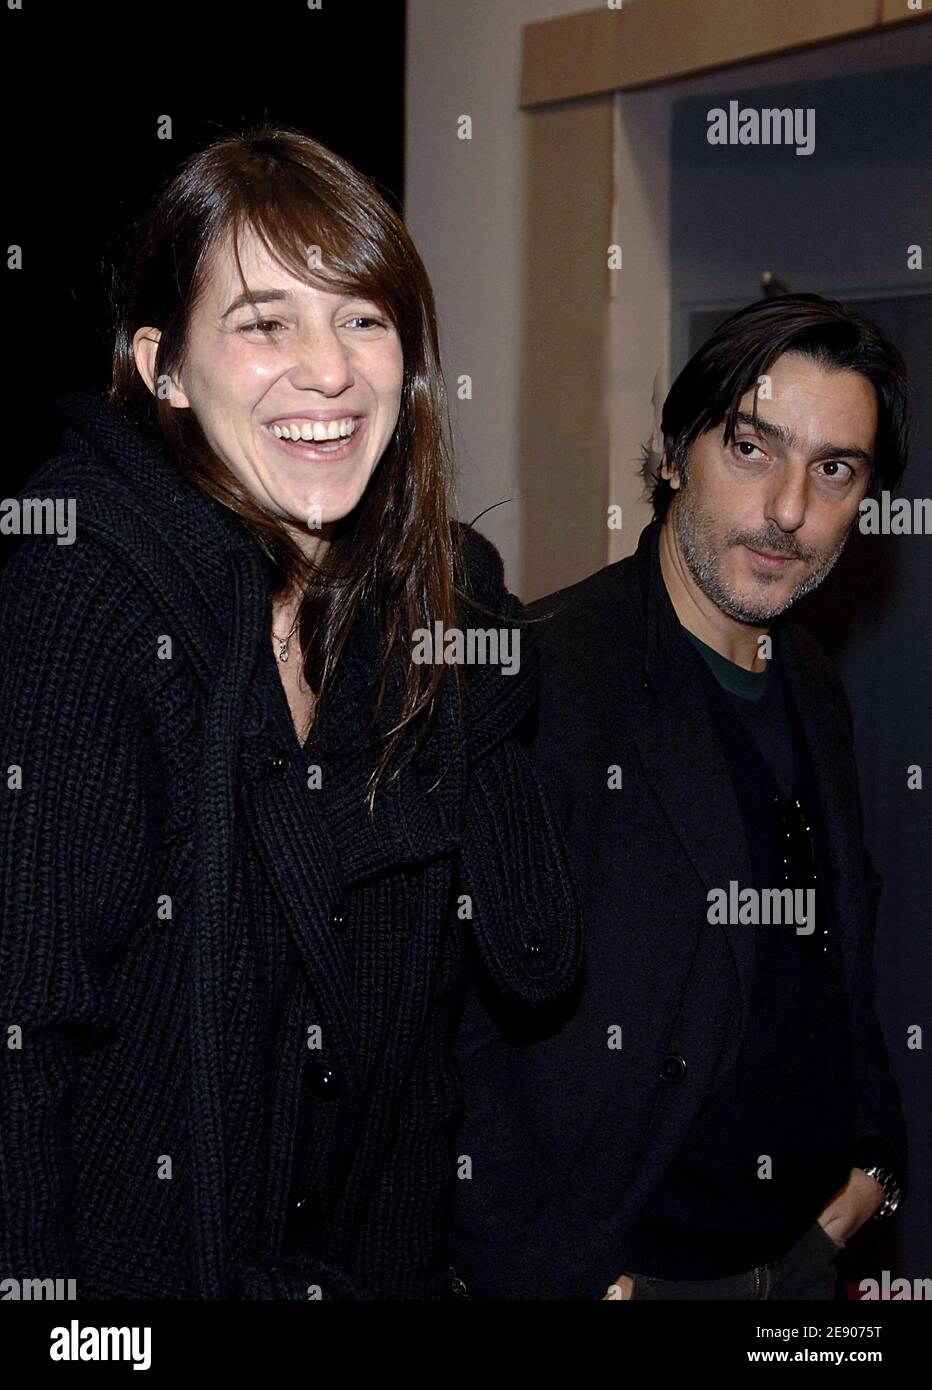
{"x": 345, "y": 255}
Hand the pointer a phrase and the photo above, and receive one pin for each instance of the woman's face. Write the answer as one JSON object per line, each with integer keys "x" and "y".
{"x": 324, "y": 367}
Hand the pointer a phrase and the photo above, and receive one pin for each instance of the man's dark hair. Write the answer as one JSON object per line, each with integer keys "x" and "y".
{"x": 709, "y": 389}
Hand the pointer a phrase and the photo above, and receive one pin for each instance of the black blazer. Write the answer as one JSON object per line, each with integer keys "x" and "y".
{"x": 567, "y": 1137}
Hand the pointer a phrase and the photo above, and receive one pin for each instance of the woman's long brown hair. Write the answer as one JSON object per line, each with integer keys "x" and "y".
{"x": 394, "y": 554}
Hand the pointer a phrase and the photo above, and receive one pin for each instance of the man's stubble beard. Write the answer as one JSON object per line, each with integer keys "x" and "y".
{"x": 703, "y": 550}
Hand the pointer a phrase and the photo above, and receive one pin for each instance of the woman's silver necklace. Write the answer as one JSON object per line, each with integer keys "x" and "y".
{"x": 283, "y": 641}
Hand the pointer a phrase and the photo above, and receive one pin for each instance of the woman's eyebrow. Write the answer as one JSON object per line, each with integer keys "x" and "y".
{"x": 256, "y": 297}
{"x": 272, "y": 296}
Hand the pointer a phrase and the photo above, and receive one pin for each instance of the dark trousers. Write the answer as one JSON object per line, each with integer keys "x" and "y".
{"x": 807, "y": 1270}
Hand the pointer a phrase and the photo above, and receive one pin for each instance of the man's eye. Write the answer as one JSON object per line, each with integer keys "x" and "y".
{"x": 261, "y": 326}
{"x": 748, "y": 444}
{"x": 837, "y": 475}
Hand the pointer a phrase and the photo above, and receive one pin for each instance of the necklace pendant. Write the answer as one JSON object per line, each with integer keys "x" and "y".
{"x": 283, "y": 653}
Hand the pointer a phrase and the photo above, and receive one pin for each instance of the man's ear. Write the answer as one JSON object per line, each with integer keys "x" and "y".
{"x": 145, "y": 347}
{"x": 670, "y": 472}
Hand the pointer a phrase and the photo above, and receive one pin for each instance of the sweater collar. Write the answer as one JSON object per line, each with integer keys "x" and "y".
{"x": 183, "y": 543}
{"x": 125, "y": 479}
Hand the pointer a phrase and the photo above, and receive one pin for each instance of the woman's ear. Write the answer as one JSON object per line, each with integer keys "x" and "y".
{"x": 145, "y": 349}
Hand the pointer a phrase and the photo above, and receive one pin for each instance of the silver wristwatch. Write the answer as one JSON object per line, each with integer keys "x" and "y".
{"x": 891, "y": 1192}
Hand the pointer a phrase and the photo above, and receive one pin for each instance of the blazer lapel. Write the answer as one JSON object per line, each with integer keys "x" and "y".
{"x": 680, "y": 755}
{"x": 683, "y": 762}
{"x": 823, "y": 722}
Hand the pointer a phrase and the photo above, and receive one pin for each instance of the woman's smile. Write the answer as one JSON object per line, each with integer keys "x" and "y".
{"x": 316, "y": 450}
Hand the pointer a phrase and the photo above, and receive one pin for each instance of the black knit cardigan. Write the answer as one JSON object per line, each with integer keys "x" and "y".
{"x": 227, "y": 1002}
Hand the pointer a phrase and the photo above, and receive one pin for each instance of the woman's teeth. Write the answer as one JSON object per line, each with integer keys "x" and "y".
{"x": 315, "y": 430}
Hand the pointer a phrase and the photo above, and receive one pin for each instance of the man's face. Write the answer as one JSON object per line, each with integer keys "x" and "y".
{"x": 761, "y": 521}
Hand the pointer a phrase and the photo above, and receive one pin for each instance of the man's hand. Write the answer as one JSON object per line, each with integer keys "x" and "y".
{"x": 841, "y": 1218}
{"x": 623, "y": 1287}
{"x": 851, "y": 1207}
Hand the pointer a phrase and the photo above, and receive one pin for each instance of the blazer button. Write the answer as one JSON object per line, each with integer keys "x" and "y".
{"x": 322, "y": 1080}
{"x": 672, "y": 1068}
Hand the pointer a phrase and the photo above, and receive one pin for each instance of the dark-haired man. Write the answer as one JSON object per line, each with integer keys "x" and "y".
{"x": 712, "y": 1116}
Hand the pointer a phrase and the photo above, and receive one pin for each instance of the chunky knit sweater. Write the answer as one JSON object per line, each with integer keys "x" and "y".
{"x": 226, "y": 1002}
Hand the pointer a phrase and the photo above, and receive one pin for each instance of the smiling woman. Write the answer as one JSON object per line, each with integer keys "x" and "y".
{"x": 260, "y": 388}
{"x": 233, "y": 950}
{"x": 277, "y": 219}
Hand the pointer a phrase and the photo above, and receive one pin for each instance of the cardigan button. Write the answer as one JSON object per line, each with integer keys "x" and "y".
{"x": 533, "y": 948}
{"x": 304, "y": 1212}
{"x": 277, "y": 764}
{"x": 322, "y": 1080}
{"x": 672, "y": 1068}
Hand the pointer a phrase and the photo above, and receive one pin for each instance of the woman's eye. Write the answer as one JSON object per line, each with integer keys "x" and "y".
{"x": 367, "y": 319}
{"x": 261, "y": 326}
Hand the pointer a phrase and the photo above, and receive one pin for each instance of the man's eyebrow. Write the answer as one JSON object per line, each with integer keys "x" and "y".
{"x": 787, "y": 437}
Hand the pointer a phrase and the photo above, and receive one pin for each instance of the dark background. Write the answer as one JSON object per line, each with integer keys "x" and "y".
{"x": 84, "y": 161}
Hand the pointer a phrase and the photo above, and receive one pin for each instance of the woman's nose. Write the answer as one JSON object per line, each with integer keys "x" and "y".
{"x": 323, "y": 362}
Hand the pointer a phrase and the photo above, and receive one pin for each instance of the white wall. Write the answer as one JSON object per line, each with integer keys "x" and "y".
{"x": 463, "y": 207}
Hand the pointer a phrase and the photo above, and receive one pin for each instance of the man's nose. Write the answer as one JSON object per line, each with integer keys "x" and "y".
{"x": 786, "y": 503}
